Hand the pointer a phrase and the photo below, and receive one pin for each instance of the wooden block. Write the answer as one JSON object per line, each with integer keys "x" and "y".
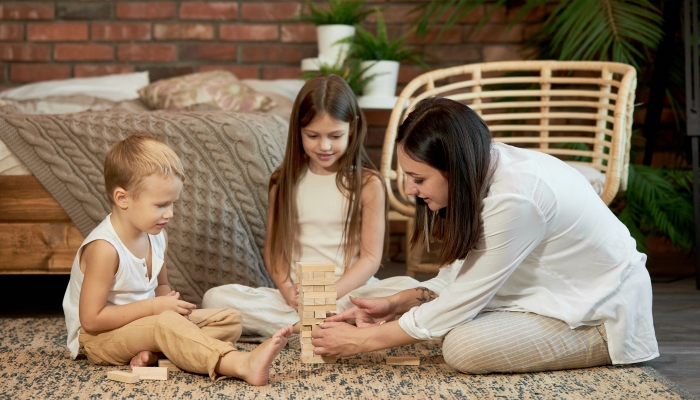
{"x": 308, "y": 314}
{"x": 403, "y": 360}
{"x": 319, "y": 295}
{"x": 330, "y": 275}
{"x": 305, "y": 340}
{"x": 314, "y": 267}
{"x": 164, "y": 362}
{"x": 320, "y": 314}
{"x": 306, "y": 328}
{"x": 319, "y": 275}
{"x": 307, "y": 347}
{"x": 307, "y": 275}
{"x": 318, "y": 281}
{"x": 307, "y": 353}
{"x": 319, "y": 288}
{"x": 330, "y": 300}
{"x": 315, "y": 328}
{"x": 319, "y": 301}
{"x": 151, "y": 373}
{"x": 330, "y": 288}
{"x": 325, "y": 307}
{"x": 122, "y": 376}
{"x": 318, "y": 360}
{"x": 312, "y": 321}
{"x": 308, "y": 301}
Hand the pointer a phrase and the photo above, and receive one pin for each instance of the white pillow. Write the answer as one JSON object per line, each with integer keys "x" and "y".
{"x": 592, "y": 175}
{"x": 118, "y": 87}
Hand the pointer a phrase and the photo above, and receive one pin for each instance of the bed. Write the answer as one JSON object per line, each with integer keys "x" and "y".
{"x": 45, "y": 209}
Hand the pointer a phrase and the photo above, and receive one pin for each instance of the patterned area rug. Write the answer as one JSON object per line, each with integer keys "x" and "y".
{"x": 34, "y": 363}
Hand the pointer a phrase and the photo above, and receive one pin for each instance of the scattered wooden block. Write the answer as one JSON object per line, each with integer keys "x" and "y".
{"x": 151, "y": 373}
{"x": 164, "y": 362}
{"x": 122, "y": 376}
{"x": 403, "y": 360}
{"x": 318, "y": 360}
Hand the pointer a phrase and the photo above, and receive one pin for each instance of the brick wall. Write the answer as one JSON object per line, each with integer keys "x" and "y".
{"x": 41, "y": 40}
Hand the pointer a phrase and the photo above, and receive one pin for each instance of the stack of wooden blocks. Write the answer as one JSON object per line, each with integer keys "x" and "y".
{"x": 317, "y": 294}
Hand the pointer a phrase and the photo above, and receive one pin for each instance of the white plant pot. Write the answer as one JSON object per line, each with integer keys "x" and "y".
{"x": 384, "y": 83}
{"x": 329, "y": 51}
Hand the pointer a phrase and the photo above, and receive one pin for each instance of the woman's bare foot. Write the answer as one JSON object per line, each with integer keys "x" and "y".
{"x": 143, "y": 358}
{"x": 254, "y": 367}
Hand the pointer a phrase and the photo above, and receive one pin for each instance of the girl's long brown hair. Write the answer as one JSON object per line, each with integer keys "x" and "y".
{"x": 450, "y": 137}
{"x": 330, "y": 95}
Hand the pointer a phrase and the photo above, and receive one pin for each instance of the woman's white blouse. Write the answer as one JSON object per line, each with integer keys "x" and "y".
{"x": 552, "y": 247}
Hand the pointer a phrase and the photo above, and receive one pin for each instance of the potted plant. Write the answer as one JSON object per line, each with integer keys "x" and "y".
{"x": 333, "y": 24}
{"x": 382, "y": 58}
{"x": 350, "y": 70}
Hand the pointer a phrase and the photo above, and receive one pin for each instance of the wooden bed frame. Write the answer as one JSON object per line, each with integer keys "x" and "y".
{"x": 36, "y": 235}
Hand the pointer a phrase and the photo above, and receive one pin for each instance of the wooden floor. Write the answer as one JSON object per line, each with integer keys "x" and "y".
{"x": 677, "y": 324}
{"x": 676, "y": 317}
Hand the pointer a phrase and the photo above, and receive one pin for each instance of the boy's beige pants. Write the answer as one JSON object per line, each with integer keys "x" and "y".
{"x": 195, "y": 345}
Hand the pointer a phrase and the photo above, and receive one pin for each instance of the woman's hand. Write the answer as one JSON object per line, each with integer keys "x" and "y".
{"x": 368, "y": 312}
{"x": 337, "y": 339}
{"x": 172, "y": 302}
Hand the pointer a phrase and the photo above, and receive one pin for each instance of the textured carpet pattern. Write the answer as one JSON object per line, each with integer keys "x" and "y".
{"x": 34, "y": 363}
{"x": 218, "y": 231}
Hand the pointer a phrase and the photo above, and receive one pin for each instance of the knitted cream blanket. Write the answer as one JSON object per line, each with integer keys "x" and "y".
{"x": 218, "y": 231}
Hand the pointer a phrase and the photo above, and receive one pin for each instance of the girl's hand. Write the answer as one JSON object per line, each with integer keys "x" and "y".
{"x": 367, "y": 312}
{"x": 172, "y": 302}
{"x": 291, "y": 296}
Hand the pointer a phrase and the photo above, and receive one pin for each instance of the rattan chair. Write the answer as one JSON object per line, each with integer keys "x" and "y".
{"x": 575, "y": 110}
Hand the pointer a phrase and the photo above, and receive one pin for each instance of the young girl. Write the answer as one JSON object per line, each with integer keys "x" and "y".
{"x": 327, "y": 203}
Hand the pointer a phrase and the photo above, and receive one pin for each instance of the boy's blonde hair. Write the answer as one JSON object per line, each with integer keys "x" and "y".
{"x": 133, "y": 159}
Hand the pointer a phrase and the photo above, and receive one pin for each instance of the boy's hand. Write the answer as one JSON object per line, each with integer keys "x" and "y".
{"x": 172, "y": 302}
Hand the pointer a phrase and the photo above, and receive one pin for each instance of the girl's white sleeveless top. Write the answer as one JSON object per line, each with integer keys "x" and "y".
{"x": 130, "y": 284}
{"x": 321, "y": 210}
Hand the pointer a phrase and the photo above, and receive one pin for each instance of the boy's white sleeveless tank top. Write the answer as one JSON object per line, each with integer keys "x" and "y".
{"x": 321, "y": 210}
{"x": 130, "y": 284}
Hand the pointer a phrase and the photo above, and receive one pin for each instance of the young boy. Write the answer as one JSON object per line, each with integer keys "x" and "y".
{"x": 119, "y": 307}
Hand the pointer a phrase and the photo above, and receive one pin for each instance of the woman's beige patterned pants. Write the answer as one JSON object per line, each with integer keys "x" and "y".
{"x": 501, "y": 341}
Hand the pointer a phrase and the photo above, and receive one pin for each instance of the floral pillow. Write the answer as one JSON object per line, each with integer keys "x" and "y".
{"x": 217, "y": 88}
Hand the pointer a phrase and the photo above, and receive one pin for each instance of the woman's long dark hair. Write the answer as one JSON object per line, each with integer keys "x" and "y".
{"x": 450, "y": 137}
{"x": 330, "y": 95}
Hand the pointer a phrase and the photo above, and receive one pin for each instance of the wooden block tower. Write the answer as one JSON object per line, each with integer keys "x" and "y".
{"x": 316, "y": 282}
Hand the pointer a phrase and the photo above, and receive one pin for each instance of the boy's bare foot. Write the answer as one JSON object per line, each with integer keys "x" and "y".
{"x": 144, "y": 358}
{"x": 254, "y": 367}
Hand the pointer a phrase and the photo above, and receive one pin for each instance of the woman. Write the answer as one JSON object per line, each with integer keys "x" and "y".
{"x": 550, "y": 278}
